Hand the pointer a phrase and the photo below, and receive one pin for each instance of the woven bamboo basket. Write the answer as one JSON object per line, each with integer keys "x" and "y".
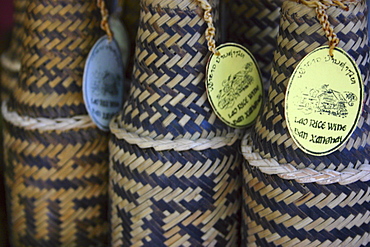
{"x": 56, "y": 172}
{"x": 56, "y": 180}
{"x": 325, "y": 201}
{"x": 174, "y": 167}
{"x": 58, "y": 37}
{"x": 255, "y": 24}
{"x": 10, "y": 64}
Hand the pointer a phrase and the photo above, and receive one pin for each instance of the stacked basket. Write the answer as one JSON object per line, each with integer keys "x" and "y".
{"x": 325, "y": 202}
{"x": 174, "y": 167}
{"x": 56, "y": 172}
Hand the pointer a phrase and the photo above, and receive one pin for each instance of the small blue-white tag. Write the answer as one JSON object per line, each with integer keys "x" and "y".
{"x": 103, "y": 81}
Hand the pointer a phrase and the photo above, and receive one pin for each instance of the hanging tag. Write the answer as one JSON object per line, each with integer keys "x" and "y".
{"x": 234, "y": 85}
{"x": 102, "y": 84}
{"x": 324, "y": 101}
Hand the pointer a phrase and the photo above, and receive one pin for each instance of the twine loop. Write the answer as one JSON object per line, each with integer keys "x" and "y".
{"x": 46, "y": 124}
{"x": 104, "y": 24}
{"x": 211, "y": 30}
{"x": 320, "y": 7}
{"x": 270, "y": 166}
{"x": 181, "y": 144}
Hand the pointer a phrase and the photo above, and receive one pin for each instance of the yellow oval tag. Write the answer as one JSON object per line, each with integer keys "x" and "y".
{"x": 323, "y": 101}
{"x": 234, "y": 85}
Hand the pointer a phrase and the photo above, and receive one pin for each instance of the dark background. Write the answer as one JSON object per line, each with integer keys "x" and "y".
{"x": 6, "y": 22}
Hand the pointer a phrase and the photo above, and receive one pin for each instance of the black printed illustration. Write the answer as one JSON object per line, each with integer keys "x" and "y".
{"x": 106, "y": 83}
{"x": 233, "y": 86}
{"x": 327, "y": 101}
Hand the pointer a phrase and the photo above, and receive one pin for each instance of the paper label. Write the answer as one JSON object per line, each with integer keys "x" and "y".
{"x": 234, "y": 85}
{"x": 323, "y": 101}
{"x": 103, "y": 82}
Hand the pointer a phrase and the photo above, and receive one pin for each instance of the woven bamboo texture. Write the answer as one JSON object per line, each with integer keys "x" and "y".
{"x": 56, "y": 172}
{"x": 59, "y": 35}
{"x": 279, "y": 212}
{"x": 56, "y": 183}
{"x": 10, "y": 68}
{"x": 255, "y": 24}
{"x": 167, "y": 96}
{"x": 174, "y": 167}
{"x": 303, "y": 205}
{"x": 18, "y": 31}
{"x": 170, "y": 198}
{"x": 300, "y": 33}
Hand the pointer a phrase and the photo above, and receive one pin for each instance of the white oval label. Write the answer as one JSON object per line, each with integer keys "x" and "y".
{"x": 323, "y": 101}
{"x": 103, "y": 82}
{"x": 234, "y": 85}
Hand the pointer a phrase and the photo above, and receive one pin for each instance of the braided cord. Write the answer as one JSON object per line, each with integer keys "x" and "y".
{"x": 211, "y": 30}
{"x": 303, "y": 175}
{"x": 104, "y": 24}
{"x": 320, "y": 7}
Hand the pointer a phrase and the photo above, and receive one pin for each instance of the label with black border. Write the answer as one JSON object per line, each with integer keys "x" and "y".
{"x": 234, "y": 85}
{"x": 324, "y": 101}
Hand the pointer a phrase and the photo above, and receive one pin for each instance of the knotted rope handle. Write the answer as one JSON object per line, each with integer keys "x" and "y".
{"x": 104, "y": 24}
{"x": 211, "y": 30}
{"x": 320, "y": 7}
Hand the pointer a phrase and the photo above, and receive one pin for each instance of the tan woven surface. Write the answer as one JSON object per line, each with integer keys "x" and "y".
{"x": 9, "y": 74}
{"x": 299, "y": 34}
{"x": 18, "y": 31}
{"x": 56, "y": 171}
{"x": 284, "y": 213}
{"x": 255, "y": 24}
{"x": 313, "y": 201}
{"x": 188, "y": 198}
{"x": 56, "y": 186}
{"x": 59, "y": 35}
{"x": 167, "y": 96}
{"x": 174, "y": 167}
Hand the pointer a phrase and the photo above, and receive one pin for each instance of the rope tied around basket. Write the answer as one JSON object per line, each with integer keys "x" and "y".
{"x": 320, "y": 7}
{"x": 181, "y": 144}
{"x": 269, "y": 165}
{"x": 45, "y": 124}
{"x": 104, "y": 24}
{"x": 211, "y": 30}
